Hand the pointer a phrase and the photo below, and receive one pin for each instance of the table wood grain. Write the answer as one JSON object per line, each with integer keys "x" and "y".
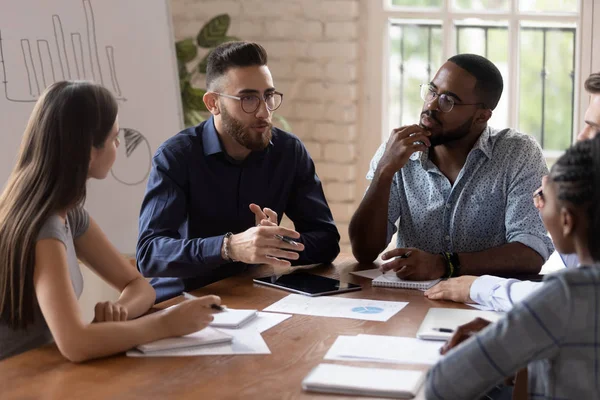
{"x": 297, "y": 345}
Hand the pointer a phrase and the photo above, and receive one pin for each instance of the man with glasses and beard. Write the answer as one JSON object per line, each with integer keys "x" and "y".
{"x": 216, "y": 191}
{"x": 457, "y": 191}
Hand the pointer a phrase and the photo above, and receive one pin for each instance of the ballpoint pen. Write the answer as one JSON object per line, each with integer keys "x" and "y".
{"x": 217, "y": 307}
{"x": 443, "y": 330}
{"x": 287, "y": 240}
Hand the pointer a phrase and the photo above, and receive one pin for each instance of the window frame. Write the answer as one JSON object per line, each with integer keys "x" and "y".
{"x": 376, "y": 66}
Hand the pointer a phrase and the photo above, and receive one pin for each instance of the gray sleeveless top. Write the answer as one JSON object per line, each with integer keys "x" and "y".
{"x": 13, "y": 342}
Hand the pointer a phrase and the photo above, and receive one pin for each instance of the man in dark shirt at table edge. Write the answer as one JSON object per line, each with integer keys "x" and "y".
{"x": 216, "y": 190}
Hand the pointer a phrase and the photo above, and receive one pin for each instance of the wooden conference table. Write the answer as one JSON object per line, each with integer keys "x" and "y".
{"x": 297, "y": 345}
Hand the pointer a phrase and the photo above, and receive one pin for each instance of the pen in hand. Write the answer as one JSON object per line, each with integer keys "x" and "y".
{"x": 287, "y": 240}
{"x": 217, "y": 307}
{"x": 443, "y": 330}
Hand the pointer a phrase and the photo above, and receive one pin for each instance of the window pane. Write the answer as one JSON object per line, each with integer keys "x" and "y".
{"x": 490, "y": 41}
{"x": 417, "y": 3}
{"x": 548, "y": 5}
{"x": 546, "y": 85}
{"x": 415, "y": 56}
{"x": 477, "y": 5}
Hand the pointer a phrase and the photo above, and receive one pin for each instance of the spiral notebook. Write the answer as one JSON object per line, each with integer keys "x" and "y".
{"x": 389, "y": 279}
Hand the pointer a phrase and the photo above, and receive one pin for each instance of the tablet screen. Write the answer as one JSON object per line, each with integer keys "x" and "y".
{"x": 308, "y": 284}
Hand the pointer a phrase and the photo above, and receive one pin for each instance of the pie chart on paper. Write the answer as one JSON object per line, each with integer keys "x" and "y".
{"x": 367, "y": 310}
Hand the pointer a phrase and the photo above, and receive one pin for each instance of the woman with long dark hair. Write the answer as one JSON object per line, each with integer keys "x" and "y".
{"x": 72, "y": 135}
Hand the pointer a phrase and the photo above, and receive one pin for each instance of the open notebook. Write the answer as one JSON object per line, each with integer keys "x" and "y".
{"x": 389, "y": 279}
{"x": 449, "y": 320}
{"x": 203, "y": 337}
{"x": 360, "y": 381}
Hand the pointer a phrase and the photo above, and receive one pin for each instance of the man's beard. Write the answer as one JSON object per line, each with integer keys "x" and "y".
{"x": 445, "y": 137}
{"x": 244, "y": 135}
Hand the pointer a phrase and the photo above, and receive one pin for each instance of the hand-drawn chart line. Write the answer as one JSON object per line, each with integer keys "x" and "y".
{"x": 80, "y": 74}
{"x": 63, "y": 60}
{"x": 61, "y": 47}
{"x": 110, "y": 54}
{"x": 91, "y": 29}
{"x": 133, "y": 139}
{"x": 42, "y": 60}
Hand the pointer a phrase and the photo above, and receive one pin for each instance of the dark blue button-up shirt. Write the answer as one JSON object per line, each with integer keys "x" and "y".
{"x": 196, "y": 193}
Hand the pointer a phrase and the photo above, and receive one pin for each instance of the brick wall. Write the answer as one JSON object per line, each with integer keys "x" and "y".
{"x": 313, "y": 48}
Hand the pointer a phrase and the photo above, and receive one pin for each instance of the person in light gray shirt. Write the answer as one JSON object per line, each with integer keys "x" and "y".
{"x": 554, "y": 332}
{"x": 18, "y": 341}
{"x": 72, "y": 136}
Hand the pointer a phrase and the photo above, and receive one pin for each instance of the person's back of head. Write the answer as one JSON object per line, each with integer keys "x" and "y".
{"x": 232, "y": 55}
{"x": 592, "y": 83}
{"x": 577, "y": 178}
{"x": 490, "y": 84}
{"x": 68, "y": 120}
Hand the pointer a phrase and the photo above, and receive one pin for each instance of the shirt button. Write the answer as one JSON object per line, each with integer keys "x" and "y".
{"x": 447, "y": 237}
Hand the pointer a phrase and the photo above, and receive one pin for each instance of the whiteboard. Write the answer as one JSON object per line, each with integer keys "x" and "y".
{"x": 125, "y": 45}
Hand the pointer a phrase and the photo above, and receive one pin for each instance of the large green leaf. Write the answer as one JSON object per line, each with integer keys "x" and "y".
{"x": 213, "y": 32}
{"x": 186, "y": 50}
{"x": 182, "y": 70}
{"x": 203, "y": 63}
{"x": 192, "y": 98}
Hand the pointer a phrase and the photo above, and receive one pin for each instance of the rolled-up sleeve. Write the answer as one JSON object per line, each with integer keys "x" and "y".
{"x": 523, "y": 223}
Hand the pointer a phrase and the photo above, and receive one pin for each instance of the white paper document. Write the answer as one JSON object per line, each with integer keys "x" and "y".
{"x": 368, "y": 273}
{"x": 205, "y": 337}
{"x": 242, "y": 344}
{"x": 377, "y": 348}
{"x": 231, "y": 318}
{"x": 341, "y": 307}
{"x": 246, "y": 340}
{"x": 344, "y": 379}
{"x": 263, "y": 321}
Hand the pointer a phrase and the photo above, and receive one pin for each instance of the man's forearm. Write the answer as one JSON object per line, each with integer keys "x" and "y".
{"x": 319, "y": 247}
{"x": 508, "y": 259}
{"x": 368, "y": 227}
{"x": 181, "y": 258}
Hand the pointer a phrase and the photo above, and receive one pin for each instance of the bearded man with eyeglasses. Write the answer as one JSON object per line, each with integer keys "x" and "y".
{"x": 457, "y": 191}
{"x": 217, "y": 191}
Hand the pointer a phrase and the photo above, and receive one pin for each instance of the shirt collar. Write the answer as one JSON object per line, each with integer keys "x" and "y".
{"x": 484, "y": 143}
{"x": 211, "y": 141}
{"x": 210, "y": 138}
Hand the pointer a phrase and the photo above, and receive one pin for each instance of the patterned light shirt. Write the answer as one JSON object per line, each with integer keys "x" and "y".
{"x": 489, "y": 205}
{"x": 554, "y": 332}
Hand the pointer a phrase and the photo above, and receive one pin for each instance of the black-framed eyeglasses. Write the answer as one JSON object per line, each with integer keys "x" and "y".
{"x": 251, "y": 102}
{"x": 445, "y": 102}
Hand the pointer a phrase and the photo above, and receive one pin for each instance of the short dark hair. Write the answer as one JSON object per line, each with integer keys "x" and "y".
{"x": 577, "y": 174}
{"x": 233, "y": 55}
{"x": 592, "y": 83}
{"x": 489, "y": 79}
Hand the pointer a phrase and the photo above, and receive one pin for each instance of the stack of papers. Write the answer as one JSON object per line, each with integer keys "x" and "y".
{"x": 343, "y": 379}
{"x": 244, "y": 340}
{"x": 391, "y": 349}
{"x": 341, "y": 307}
{"x": 203, "y": 337}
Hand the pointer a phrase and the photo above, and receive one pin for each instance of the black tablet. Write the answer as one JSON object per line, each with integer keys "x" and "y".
{"x": 308, "y": 284}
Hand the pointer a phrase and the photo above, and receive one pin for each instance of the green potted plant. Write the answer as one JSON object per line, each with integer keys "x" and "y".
{"x": 212, "y": 34}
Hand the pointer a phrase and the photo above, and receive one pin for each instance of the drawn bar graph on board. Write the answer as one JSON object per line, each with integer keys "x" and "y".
{"x": 39, "y": 62}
